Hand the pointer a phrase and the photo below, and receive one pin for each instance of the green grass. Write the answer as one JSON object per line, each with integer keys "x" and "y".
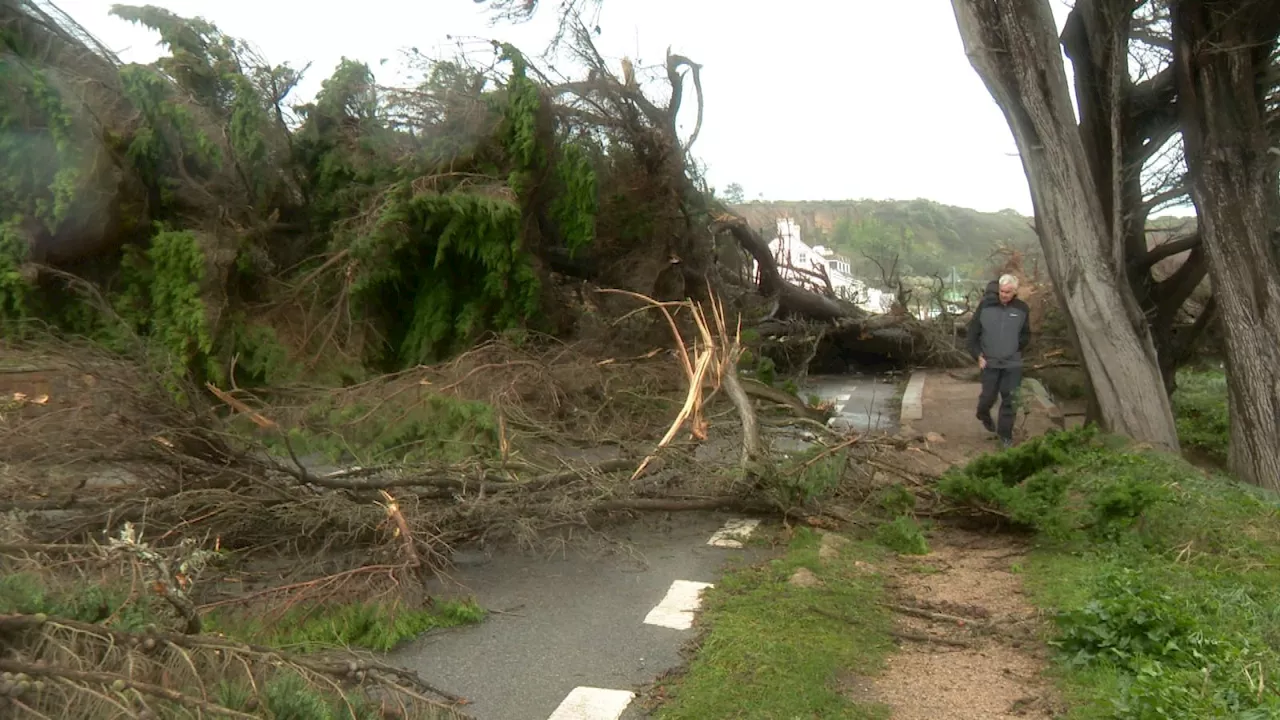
{"x": 372, "y": 626}
{"x": 1200, "y": 407}
{"x": 772, "y": 650}
{"x": 904, "y": 535}
{"x": 1163, "y": 582}
{"x": 29, "y": 593}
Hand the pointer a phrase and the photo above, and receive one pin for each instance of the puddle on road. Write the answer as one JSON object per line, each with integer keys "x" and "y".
{"x": 863, "y": 402}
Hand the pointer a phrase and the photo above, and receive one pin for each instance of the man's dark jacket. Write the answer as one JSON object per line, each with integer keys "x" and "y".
{"x": 999, "y": 332}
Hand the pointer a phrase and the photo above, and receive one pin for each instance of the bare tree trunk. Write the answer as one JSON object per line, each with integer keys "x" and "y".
{"x": 1122, "y": 125}
{"x": 1221, "y": 53}
{"x": 1013, "y": 47}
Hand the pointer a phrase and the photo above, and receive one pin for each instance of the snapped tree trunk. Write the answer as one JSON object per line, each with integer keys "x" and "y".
{"x": 1221, "y": 51}
{"x": 1013, "y": 47}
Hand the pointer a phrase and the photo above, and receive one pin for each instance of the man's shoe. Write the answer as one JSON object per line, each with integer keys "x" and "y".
{"x": 1006, "y": 443}
{"x": 987, "y": 422}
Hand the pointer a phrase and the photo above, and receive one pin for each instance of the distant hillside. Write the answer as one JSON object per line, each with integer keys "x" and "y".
{"x": 928, "y": 237}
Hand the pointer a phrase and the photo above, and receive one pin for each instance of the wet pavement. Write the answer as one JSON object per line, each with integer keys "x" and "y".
{"x": 588, "y": 618}
{"x": 862, "y": 402}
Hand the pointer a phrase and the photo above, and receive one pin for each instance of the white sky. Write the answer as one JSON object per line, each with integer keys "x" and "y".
{"x": 805, "y": 100}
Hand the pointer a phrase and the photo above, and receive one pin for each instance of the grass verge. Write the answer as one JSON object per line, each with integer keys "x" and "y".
{"x": 771, "y": 649}
{"x": 1163, "y": 581}
{"x": 377, "y": 626}
{"x": 1200, "y": 406}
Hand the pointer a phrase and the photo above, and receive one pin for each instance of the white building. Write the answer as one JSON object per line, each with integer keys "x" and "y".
{"x": 794, "y": 256}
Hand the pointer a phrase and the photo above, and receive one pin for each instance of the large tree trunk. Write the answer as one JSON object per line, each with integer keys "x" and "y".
{"x": 1122, "y": 125}
{"x": 1013, "y": 47}
{"x": 1221, "y": 52}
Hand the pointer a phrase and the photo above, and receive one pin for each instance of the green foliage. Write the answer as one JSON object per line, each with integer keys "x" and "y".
{"x": 168, "y": 144}
{"x": 342, "y": 169}
{"x": 178, "y": 319}
{"x": 1062, "y": 484}
{"x": 287, "y": 696}
{"x": 1200, "y": 408}
{"x": 380, "y": 627}
{"x": 575, "y": 203}
{"x": 903, "y": 535}
{"x": 1163, "y": 581}
{"x": 201, "y": 59}
{"x": 761, "y": 367}
{"x": 773, "y": 650}
{"x": 15, "y": 290}
{"x": 894, "y": 499}
{"x": 437, "y": 269}
{"x": 39, "y": 150}
{"x": 429, "y": 426}
{"x": 28, "y": 593}
{"x": 262, "y": 358}
{"x": 806, "y": 477}
{"x": 245, "y": 132}
{"x": 519, "y": 132}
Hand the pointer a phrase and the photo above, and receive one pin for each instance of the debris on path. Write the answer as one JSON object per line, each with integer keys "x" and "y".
{"x": 969, "y": 641}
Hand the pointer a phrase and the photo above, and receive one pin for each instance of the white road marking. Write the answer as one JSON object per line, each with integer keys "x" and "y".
{"x": 840, "y": 408}
{"x": 845, "y": 397}
{"x": 677, "y": 607}
{"x": 733, "y": 533}
{"x": 589, "y": 703}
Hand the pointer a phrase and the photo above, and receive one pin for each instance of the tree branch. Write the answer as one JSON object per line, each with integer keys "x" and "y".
{"x": 1168, "y": 249}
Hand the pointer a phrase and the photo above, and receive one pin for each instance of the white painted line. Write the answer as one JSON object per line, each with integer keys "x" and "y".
{"x": 734, "y": 532}
{"x": 845, "y": 397}
{"x": 913, "y": 398}
{"x": 589, "y": 703}
{"x": 677, "y": 607}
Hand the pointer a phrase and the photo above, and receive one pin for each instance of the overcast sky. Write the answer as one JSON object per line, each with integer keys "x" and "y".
{"x": 805, "y": 100}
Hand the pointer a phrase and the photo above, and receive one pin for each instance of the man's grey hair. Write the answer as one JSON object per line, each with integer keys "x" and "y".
{"x": 1008, "y": 280}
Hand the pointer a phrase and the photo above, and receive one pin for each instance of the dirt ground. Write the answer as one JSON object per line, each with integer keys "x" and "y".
{"x": 969, "y": 640}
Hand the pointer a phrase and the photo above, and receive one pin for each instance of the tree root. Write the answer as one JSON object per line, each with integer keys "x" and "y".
{"x": 926, "y": 638}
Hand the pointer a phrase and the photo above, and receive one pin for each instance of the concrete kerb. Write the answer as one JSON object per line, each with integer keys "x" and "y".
{"x": 1046, "y": 401}
{"x": 913, "y": 399}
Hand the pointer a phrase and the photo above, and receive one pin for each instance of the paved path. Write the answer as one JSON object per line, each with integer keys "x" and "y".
{"x": 581, "y": 631}
{"x": 949, "y": 403}
{"x": 862, "y": 402}
{"x": 578, "y": 633}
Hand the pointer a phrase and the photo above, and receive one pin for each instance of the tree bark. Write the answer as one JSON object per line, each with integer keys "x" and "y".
{"x": 1121, "y": 125}
{"x": 1221, "y": 53}
{"x": 1012, "y": 46}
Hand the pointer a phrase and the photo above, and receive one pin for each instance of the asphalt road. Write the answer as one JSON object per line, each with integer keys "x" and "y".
{"x": 862, "y": 402}
{"x": 574, "y": 619}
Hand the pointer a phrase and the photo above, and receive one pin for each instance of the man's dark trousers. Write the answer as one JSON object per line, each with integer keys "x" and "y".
{"x": 1003, "y": 382}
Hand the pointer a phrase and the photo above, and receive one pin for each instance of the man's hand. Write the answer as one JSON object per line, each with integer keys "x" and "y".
{"x": 982, "y": 362}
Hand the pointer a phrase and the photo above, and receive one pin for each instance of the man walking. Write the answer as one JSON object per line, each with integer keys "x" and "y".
{"x": 997, "y": 334}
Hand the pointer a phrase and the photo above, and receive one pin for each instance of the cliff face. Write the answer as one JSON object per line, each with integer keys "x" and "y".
{"x": 928, "y": 237}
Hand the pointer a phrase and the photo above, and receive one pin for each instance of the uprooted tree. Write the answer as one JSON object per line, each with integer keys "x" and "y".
{"x": 375, "y": 227}
{"x": 264, "y": 285}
